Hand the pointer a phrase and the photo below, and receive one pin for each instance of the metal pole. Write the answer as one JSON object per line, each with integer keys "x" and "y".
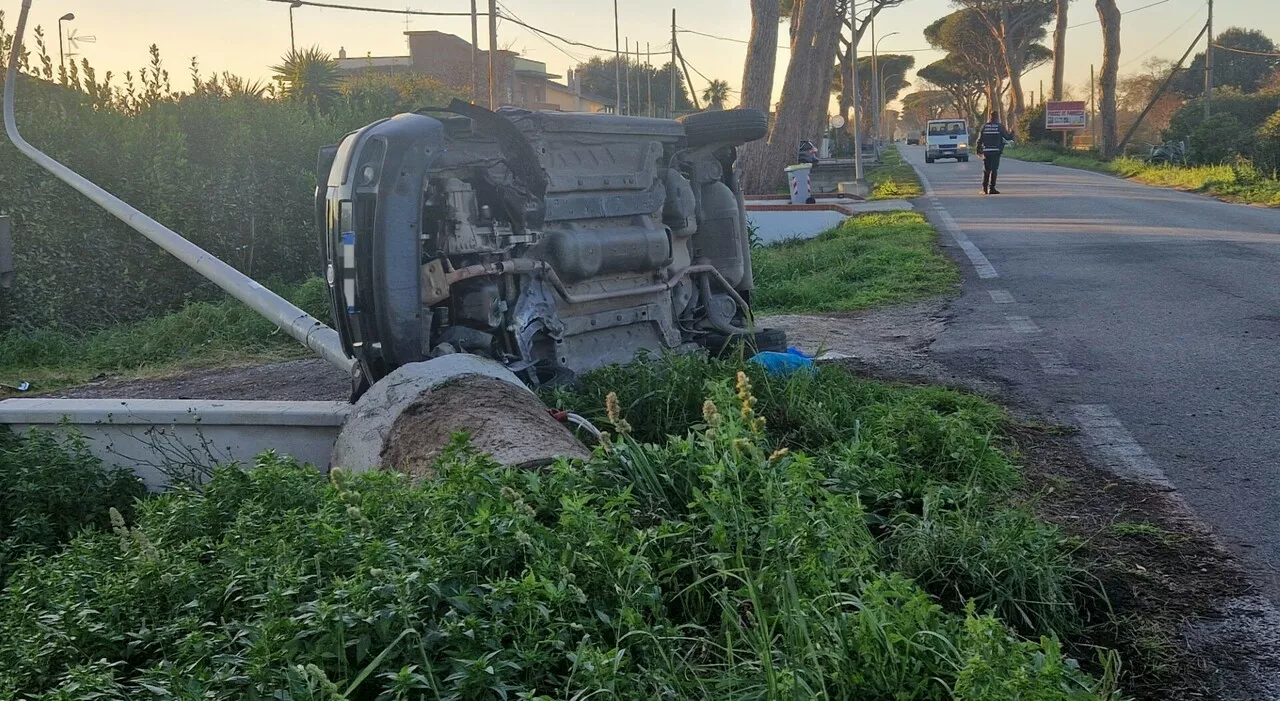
{"x": 493, "y": 53}
{"x": 671, "y": 74}
{"x": 648, "y": 71}
{"x": 875, "y": 87}
{"x": 303, "y": 327}
{"x": 292, "y": 46}
{"x": 628, "y": 73}
{"x": 617, "y": 63}
{"x": 1093, "y": 107}
{"x": 853, "y": 80}
{"x": 475, "y": 54}
{"x": 1208, "y": 65}
{"x": 1156, "y": 98}
{"x": 62, "y": 62}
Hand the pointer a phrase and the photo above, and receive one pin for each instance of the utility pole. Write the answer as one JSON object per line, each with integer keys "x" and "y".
{"x": 628, "y": 43}
{"x": 617, "y": 63}
{"x": 1093, "y": 107}
{"x": 875, "y": 89}
{"x": 853, "y": 80}
{"x": 475, "y": 54}
{"x": 648, "y": 72}
{"x": 493, "y": 53}
{"x": 671, "y": 74}
{"x": 1208, "y": 65}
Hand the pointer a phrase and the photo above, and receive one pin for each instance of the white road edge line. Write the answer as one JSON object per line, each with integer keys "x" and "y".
{"x": 1021, "y": 324}
{"x": 984, "y": 268}
{"x": 1054, "y": 363}
{"x": 1105, "y": 433}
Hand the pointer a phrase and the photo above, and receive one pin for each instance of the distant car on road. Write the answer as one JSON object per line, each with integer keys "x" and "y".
{"x": 808, "y": 153}
{"x": 946, "y": 138}
{"x": 913, "y": 138}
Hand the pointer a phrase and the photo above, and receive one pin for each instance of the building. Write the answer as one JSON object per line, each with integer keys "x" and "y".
{"x": 568, "y": 96}
{"x": 520, "y": 82}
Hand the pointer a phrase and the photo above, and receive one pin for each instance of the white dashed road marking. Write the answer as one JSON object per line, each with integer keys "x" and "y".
{"x": 1001, "y": 296}
{"x": 1105, "y": 433}
{"x": 1022, "y": 324}
{"x": 984, "y": 268}
{"x": 1054, "y": 363}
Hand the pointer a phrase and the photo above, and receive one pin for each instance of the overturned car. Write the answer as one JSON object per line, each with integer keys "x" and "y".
{"x": 552, "y": 242}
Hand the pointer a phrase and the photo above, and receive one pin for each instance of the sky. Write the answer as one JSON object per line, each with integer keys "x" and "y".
{"x": 247, "y": 36}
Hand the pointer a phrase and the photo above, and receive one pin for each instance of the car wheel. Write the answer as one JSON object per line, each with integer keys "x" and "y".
{"x": 737, "y": 127}
{"x": 964, "y": 160}
{"x": 928, "y": 160}
{"x": 763, "y": 341}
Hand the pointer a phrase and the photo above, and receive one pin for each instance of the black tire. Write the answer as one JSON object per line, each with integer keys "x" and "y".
{"x": 928, "y": 160}
{"x": 964, "y": 160}
{"x": 730, "y": 127}
{"x": 749, "y": 344}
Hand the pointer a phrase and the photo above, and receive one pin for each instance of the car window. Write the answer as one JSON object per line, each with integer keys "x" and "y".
{"x": 806, "y": 144}
{"x": 946, "y": 128}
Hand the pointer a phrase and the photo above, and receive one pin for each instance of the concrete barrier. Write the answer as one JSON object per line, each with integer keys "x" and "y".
{"x": 161, "y": 438}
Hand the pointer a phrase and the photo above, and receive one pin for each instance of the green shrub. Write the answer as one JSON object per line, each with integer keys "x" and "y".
{"x": 709, "y": 565}
{"x": 1218, "y": 140}
{"x": 1251, "y": 111}
{"x": 231, "y": 169}
{"x": 1269, "y": 145}
{"x": 1032, "y": 127}
{"x": 50, "y": 490}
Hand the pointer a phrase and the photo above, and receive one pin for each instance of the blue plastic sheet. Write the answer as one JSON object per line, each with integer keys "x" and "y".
{"x": 794, "y": 360}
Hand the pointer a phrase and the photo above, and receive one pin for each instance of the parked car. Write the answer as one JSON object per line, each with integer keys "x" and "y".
{"x": 808, "y": 153}
{"x": 946, "y": 138}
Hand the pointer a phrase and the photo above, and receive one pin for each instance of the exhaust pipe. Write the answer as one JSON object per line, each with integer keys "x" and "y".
{"x": 306, "y": 329}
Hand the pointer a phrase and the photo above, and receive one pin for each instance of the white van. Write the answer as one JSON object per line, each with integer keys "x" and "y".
{"x": 946, "y": 138}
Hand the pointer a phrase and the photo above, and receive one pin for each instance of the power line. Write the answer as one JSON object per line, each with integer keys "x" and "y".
{"x": 1246, "y": 53}
{"x": 382, "y": 10}
{"x": 550, "y": 43}
{"x": 432, "y": 13}
{"x": 1160, "y": 43}
{"x": 1126, "y": 12}
{"x": 682, "y": 30}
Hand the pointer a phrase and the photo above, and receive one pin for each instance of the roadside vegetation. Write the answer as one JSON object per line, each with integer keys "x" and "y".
{"x": 869, "y": 260}
{"x": 740, "y": 536}
{"x": 894, "y": 179}
{"x": 1239, "y": 181}
{"x": 199, "y": 335}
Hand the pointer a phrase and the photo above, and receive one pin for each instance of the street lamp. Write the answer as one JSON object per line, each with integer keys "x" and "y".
{"x": 62, "y": 61}
{"x": 884, "y": 80}
{"x": 292, "y": 6}
{"x": 875, "y": 98}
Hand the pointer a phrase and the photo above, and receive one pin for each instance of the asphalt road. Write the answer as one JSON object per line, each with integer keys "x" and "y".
{"x": 1149, "y": 318}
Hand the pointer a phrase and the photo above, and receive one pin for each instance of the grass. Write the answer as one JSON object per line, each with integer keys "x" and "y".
{"x": 201, "y": 334}
{"x": 894, "y": 179}
{"x": 1234, "y": 183}
{"x": 744, "y": 537}
{"x": 870, "y": 260}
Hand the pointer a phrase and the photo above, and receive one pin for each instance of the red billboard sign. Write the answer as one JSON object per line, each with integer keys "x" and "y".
{"x": 1064, "y": 116}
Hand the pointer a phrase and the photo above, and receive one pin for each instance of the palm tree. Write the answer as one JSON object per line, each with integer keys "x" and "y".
{"x": 716, "y": 94}
{"x": 310, "y": 76}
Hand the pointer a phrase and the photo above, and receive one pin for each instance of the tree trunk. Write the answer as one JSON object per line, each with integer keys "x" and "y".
{"x": 757, "y": 84}
{"x": 762, "y": 55}
{"x": 1109, "y": 15}
{"x": 1059, "y": 48}
{"x": 794, "y": 109}
{"x": 824, "y": 68}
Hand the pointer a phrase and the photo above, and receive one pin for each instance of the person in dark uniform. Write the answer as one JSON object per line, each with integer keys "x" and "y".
{"x": 990, "y": 146}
